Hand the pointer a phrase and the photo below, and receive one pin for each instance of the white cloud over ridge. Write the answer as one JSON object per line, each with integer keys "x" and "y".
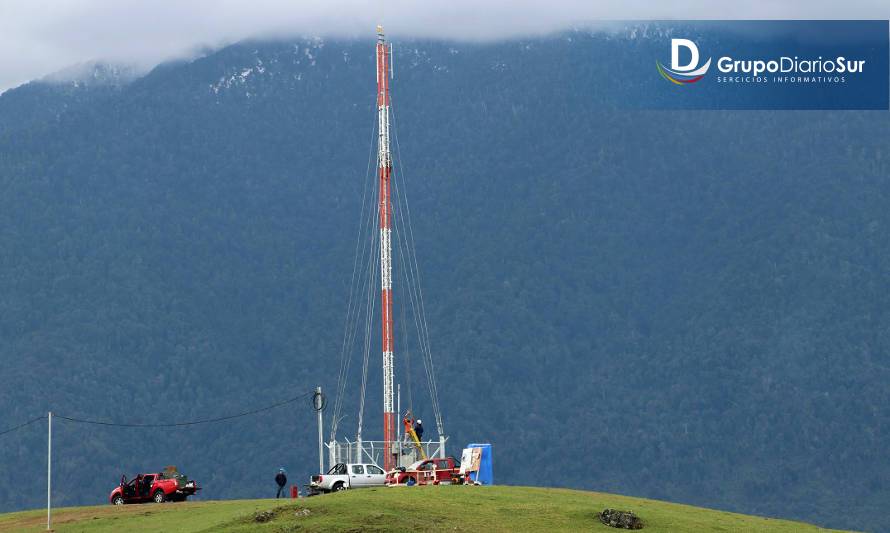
{"x": 38, "y": 37}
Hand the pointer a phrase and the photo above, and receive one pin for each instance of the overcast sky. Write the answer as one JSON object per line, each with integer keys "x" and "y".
{"x": 38, "y": 37}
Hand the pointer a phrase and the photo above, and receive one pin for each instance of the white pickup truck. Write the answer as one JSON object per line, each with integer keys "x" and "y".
{"x": 344, "y": 476}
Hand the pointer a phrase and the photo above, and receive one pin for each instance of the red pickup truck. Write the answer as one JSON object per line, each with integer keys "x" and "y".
{"x": 426, "y": 472}
{"x": 156, "y": 488}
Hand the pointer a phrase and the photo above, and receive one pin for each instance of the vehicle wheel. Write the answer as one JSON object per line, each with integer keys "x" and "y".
{"x": 338, "y": 487}
{"x": 159, "y": 496}
{"x": 118, "y": 500}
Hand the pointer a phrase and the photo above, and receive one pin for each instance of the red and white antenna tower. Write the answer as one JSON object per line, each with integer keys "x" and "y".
{"x": 384, "y": 162}
{"x": 391, "y": 449}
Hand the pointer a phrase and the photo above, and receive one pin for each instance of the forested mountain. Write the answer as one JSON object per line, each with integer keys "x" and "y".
{"x": 689, "y": 306}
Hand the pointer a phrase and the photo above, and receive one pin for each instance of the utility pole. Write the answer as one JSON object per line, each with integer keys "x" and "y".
{"x": 384, "y": 159}
{"x": 49, "y": 471}
{"x": 318, "y": 403}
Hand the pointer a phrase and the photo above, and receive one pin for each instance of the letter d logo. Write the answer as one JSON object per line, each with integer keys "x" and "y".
{"x": 675, "y": 55}
{"x": 683, "y": 74}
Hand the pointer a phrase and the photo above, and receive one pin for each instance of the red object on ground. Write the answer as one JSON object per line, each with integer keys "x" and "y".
{"x": 294, "y": 491}
{"x": 428, "y": 472}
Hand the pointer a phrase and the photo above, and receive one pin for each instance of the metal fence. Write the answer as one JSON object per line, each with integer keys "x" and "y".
{"x": 371, "y": 451}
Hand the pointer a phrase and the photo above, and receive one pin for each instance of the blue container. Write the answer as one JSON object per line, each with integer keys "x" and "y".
{"x": 486, "y": 467}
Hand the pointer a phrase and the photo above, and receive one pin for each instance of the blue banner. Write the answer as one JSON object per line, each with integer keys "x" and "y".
{"x": 789, "y": 64}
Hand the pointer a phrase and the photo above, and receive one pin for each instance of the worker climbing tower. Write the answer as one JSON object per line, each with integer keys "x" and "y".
{"x": 384, "y": 170}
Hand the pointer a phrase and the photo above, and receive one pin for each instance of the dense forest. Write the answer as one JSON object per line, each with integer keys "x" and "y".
{"x": 689, "y": 306}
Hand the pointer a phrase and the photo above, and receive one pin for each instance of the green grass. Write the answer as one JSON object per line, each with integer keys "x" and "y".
{"x": 453, "y": 508}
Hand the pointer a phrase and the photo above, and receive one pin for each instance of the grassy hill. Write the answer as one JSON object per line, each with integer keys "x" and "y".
{"x": 401, "y": 509}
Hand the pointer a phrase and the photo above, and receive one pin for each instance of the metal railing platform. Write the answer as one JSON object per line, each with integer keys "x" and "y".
{"x": 371, "y": 451}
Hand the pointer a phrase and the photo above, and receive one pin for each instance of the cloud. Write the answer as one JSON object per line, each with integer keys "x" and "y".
{"x": 38, "y": 37}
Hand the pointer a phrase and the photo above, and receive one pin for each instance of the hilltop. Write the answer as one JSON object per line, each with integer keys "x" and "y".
{"x": 403, "y": 509}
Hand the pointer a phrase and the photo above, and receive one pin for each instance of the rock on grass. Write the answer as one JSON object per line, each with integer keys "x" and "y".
{"x": 621, "y": 519}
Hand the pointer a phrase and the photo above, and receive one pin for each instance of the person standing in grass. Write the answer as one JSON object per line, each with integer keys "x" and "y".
{"x": 281, "y": 479}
